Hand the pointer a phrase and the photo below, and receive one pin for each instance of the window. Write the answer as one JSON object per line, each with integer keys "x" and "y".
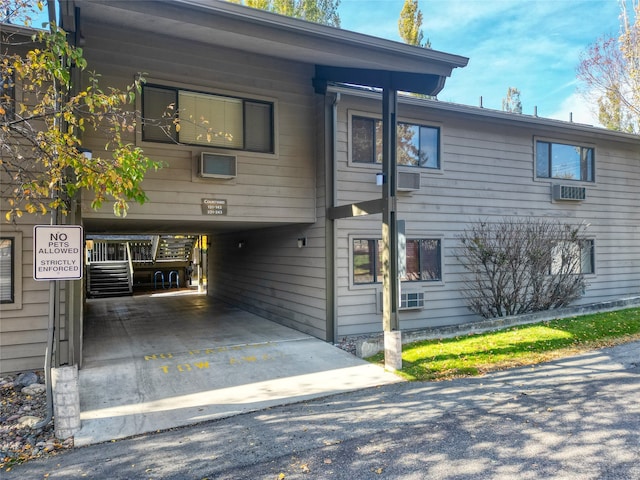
{"x": 175, "y": 115}
{"x": 423, "y": 261}
{"x": 418, "y": 145}
{"x": 574, "y": 258}
{"x": 7, "y": 95}
{"x": 7, "y": 261}
{"x": 564, "y": 161}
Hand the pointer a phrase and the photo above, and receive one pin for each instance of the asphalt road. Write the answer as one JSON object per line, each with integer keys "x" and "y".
{"x": 577, "y": 418}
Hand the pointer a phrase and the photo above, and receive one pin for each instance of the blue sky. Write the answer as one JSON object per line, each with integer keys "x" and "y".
{"x": 533, "y": 45}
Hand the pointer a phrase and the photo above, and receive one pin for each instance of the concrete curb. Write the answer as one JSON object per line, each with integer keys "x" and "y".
{"x": 366, "y": 347}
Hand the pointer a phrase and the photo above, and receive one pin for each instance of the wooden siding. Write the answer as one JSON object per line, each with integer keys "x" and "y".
{"x": 487, "y": 173}
{"x": 270, "y": 276}
{"x": 23, "y": 328}
{"x": 274, "y": 188}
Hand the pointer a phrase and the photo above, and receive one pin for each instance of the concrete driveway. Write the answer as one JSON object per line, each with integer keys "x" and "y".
{"x": 155, "y": 362}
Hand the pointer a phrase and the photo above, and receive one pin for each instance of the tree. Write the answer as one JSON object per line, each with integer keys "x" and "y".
{"x": 526, "y": 265}
{"x": 410, "y": 24}
{"x": 42, "y": 160}
{"x": 318, "y": 11}
{"x": 512, "y": 103}
{"x": 610, "y": 70}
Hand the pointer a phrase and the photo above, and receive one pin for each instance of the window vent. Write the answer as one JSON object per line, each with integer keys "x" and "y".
{"x": 408, "y": 301}
{"x": 408, "y": 181}
{"x": 569, "y": 192}
{"x": 215, "y": 165}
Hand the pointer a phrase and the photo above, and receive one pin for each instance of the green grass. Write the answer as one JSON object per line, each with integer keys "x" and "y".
{"x": 476, "y": 354}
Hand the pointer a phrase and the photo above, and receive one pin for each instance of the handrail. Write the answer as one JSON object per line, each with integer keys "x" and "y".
{"x": 155, "y": 244}
{"x": 130, "y": 268}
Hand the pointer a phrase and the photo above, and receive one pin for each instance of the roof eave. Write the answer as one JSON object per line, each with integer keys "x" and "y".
{"x": 257, "y": 31}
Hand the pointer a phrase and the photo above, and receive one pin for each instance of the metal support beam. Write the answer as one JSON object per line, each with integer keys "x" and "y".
{"x": 368, "y": 207}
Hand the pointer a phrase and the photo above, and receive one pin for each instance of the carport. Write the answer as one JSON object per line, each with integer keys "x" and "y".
{"x": 158, "y": 361}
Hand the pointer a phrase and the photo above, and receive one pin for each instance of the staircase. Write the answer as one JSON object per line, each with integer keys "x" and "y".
{"x": 109, "y": 279}
{"x": 175, "y": 248}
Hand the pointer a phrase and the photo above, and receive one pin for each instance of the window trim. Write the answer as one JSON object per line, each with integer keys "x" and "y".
{"x": 568, "y": 142}
{"x": 409, "y": 120}
{"x": 17, "y": 272}
{"x": 197, "y": 148}
{"x": 405, "y": 283}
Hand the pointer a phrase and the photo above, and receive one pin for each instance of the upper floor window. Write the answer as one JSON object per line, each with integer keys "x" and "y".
{"x": 176, "y": 115}
{"x": 423, "y": 261}
{"x": 7, "y": 259}
{"x": 564, "y": 161}
{"x": 418, "y": 145}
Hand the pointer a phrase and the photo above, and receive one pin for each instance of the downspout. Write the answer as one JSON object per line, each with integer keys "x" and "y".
{"x": 53, "y": 293}
{"x": 333, "y": 203}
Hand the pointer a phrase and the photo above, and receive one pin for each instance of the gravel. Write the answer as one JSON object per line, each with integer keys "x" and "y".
{"x": 21, "y": 407}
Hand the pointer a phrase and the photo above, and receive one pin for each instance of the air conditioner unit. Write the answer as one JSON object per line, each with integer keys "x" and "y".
{"x": 216, "y": 165}
{"x": 408, "y": 301}
{"x": 408, "y": 181}
{"x": 569, "y": 192}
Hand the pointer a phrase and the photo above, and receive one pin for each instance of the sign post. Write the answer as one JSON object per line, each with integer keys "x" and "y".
{"x": 57, "y": 252}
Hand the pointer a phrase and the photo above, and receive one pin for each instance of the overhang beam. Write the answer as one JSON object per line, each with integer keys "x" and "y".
{"x": 422, "y": 83}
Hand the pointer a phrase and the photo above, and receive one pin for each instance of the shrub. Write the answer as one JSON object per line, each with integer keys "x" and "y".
{"x": 517, "y": 265}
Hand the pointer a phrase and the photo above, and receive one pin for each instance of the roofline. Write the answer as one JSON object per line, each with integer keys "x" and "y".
{"x": 19, "y": 29}
{"x": 487, "y": 113}
{"x": 274, "y": 20}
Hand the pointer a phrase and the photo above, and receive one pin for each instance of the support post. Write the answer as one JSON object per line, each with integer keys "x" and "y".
{"x": 66, "y": 400}
{"x": 390, "y": 277}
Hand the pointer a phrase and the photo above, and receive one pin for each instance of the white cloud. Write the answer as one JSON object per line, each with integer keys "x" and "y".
{"x": 582, "y": 110}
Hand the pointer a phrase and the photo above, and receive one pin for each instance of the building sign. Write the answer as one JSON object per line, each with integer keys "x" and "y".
{"x": 214, "y": 206}
{"x": 57, "y": 252}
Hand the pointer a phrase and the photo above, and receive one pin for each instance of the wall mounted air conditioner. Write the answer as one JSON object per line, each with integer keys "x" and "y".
{"x": 408, "y": 181}
{"x": 568, "y": 193}
{"x": 408, "y": 301}
{"x": 216, "y": 165}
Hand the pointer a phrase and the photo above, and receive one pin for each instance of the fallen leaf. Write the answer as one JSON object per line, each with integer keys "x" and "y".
{"x": 305, "y": 468}
{"x": 327, "y": 461}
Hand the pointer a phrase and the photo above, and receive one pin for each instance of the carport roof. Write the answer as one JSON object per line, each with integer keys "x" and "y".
{"x": 332, "y": 50}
